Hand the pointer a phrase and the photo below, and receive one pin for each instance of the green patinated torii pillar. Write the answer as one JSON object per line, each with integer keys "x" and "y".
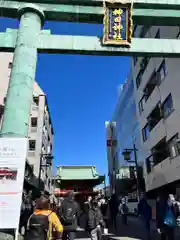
{"x": 20, "y": 90}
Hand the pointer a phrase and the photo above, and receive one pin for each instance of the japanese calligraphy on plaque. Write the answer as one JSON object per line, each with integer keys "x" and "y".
{"x": 117, "y": 24}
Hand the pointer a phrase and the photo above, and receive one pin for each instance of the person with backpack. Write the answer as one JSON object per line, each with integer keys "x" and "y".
{"x": 68, "y": 213}
{"x": 167, "y": 217}
{"x": 43, "y": 222}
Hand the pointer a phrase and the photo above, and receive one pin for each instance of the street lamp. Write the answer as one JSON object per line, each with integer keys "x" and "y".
{"x": 48, "y": 158}
{"x": 127, "y": 157}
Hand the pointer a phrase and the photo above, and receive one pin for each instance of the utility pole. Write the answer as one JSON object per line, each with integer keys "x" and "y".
{"x": 137, "y": 171}
{"x": 127, "y": 157}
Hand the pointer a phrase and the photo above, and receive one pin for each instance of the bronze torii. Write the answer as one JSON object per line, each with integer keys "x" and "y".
{"x": 29, "y": 39}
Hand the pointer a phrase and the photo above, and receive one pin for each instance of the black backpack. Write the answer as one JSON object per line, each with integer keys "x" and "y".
{"x": 37, "y": 228}
{"x": 68, "y": 213}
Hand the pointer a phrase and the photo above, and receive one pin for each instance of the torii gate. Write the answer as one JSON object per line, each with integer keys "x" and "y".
{"x": 29, "y": 39}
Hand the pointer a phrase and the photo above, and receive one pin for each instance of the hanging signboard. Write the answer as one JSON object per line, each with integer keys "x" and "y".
{"x": 12, "y": 164}
{"x": 117, "y": 24}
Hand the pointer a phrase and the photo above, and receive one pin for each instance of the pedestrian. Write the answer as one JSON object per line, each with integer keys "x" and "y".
{"x": 167, "y": 214}
{"x": 91, "y": 221}
{"x": 94, "y": 221}
{"x": 145, "y": 215}
{"x": 160, "y": 214}
{"x": 105, "y": 214}
{"x": 69, "y": 213}
{"x": 113, "y": 204}
{"x": 43, "y": 222}
{"x": 26, "y": 211}
{"x": 123, "y": 210}
{"x": 87, "y": 203}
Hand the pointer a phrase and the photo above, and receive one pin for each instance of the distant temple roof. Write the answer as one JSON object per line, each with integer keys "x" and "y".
{"x": 77, "y": 173}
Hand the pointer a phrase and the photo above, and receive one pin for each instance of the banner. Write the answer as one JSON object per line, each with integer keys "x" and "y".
{"x": 12, "y": 164}
{"x": 117, "y": 24}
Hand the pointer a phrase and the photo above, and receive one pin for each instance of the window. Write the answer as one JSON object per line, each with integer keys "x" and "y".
{"x": 167, "y": 106}
{"x": 33, "y": 122}
{"x": 139, "y": 78}
{"x": 162, "y": 71}
{"x": 134, "y": 30}
{"x": 144, "y": 63}
{"x": 1, "y": 111}
{"x": 145, "y": 132}
{"x": 36, "y": 101}
{"x": 157, "y": 34}
{"x": 154, "y": 117}
{"x": 174, "y": 146}
{"x": 143, "y": 31}
{"x": 149, "y": 164}
{"x": 150, "y": 86}
{"x": 178, "y": 34}
{"x": 160, "y": 151}
{"x": 135, "y": 59}
{"x": 141, "y": 104}
{"x": 4, "y": 100}
{"x": 32, "y": 145}
{"x": 10, "y": 65}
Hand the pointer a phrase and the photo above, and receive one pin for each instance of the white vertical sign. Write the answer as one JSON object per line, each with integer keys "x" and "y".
{"x": 12, "y": 165}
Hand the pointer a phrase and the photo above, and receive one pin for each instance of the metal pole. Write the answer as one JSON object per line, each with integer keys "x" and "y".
{"x": 137, "y": 170}
{"x": 40, "y": 167}
{"x": 105, "y": 185}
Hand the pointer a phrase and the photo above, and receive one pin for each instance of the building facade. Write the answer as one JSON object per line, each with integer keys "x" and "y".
{"x": 157, "y": 97}
{"x": 111, "y": 153}
{"x": 127, "y": 126}
{"x": 40, "y": 136}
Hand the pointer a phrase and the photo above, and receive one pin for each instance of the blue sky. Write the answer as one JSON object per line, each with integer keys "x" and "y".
{"x": 82, "y": 94}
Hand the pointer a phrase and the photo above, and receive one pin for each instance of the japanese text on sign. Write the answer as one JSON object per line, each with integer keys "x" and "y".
{"x": 117, "y": 25}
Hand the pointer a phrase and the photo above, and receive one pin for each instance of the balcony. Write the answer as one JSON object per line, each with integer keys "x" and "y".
{"x": 154, "y": 117}
{"x": 150, "y": 86}
{"x": 151, "y": 102}
{"x": 31, "y": 153}
{"x": 33, "y": 129}
{"x": 160, "y": 152}
{"x": 156, "y": 134}
{"x": 163, "y": 173}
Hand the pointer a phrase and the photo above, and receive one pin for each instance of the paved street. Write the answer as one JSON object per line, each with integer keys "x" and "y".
{"x": 134, "y": 231}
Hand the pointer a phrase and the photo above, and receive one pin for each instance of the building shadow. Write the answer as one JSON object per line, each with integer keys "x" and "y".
{"x": 134, "y": 230}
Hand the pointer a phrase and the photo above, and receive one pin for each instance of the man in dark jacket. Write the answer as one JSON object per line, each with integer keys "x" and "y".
{"x": 145, "y": 214}
{"x": 113, "y": 204}
{"x": 94, "y": 221}
{"x": 69, "y": 213}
